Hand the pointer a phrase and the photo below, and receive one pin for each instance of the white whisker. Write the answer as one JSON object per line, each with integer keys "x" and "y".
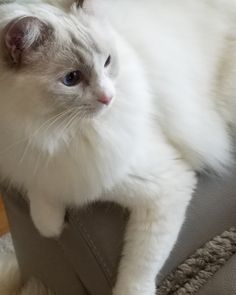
{"x": 50, "y": 123}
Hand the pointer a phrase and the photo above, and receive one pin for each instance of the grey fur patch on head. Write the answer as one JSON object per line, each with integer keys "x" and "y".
{"x": 6, "y": 1}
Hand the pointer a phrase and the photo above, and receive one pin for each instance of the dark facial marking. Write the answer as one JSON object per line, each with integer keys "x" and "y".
{"x": 108, "y": 61}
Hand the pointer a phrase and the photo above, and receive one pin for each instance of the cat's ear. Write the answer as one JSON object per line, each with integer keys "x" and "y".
{"x": 24, "y": 36}
{"x": 79, "y": 3}
{"x": 92, "y": 7}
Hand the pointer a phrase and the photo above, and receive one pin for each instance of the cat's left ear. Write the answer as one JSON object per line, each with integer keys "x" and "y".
{"x": 25, "y": 36}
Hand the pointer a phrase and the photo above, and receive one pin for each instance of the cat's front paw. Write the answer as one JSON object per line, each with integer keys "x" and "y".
{"x": 48, "y": 228}
{"x": 48, "y": 220}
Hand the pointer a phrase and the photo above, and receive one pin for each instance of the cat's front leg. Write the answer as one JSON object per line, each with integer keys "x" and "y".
{"x": 151, "y": 233}
{"x": 47, "y": 214}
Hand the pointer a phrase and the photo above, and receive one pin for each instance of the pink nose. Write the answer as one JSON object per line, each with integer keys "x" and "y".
{"x": 105, "y": 99}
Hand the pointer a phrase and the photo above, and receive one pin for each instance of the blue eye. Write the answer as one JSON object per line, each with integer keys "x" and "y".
{"x": 72, "y": 78}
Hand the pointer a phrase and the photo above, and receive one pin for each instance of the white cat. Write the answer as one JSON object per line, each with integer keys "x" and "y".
{"x": 118, "y": 100}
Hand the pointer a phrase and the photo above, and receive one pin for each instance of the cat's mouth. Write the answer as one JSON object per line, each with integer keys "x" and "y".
{"x": 91, "y": 111}
{"x": 76, "y": 115}
{"x": 100, "y": 108}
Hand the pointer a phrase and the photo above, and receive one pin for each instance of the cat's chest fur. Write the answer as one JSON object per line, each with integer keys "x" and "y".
{"x": 81, "y": 171}
{"x": 87, "y": 162}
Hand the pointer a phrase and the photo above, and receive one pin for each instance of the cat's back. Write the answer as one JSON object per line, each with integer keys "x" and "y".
{"x": 181, "y": 44}
{"x": 175, "y": 30}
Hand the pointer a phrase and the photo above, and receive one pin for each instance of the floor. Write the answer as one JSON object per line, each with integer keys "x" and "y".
{"x": 4, "y": 228}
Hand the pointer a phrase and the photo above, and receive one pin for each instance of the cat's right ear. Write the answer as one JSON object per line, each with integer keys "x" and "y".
{"x": 79, "y": 3}
{"x": 92, "y": 7}
{"x": 24, "y": 36}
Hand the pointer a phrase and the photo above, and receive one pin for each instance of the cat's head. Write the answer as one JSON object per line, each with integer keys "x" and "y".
{"x": 59, "y": 61}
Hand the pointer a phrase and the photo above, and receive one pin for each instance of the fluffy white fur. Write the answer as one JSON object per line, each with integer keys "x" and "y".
{"x": 173, "y": 83}
{"x": 10, "y": 281}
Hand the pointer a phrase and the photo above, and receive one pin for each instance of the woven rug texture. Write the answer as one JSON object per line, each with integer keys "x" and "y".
{"x": 196, "y": 271}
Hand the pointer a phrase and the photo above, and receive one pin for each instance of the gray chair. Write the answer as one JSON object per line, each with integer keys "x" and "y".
{"x": 84, "y": 259}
